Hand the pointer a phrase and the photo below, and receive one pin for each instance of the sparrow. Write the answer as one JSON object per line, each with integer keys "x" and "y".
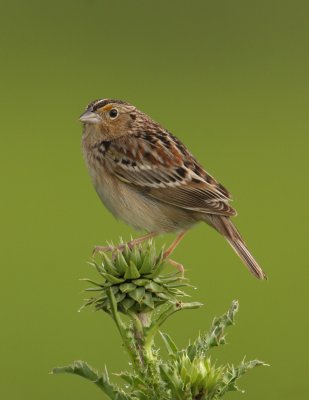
{"x": 147, "y": 177}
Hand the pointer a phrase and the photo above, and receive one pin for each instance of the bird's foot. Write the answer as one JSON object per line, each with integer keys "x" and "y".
{"x": 122, "y": 246}
{"x": 105, "y": 249}
{"x": 177, "y": 265}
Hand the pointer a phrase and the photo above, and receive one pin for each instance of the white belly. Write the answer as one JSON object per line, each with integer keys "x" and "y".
{"x": 133, "y": 207}
{"x": 129, "y": 205}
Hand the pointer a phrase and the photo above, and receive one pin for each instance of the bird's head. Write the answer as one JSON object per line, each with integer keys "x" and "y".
{"x": 109, "y": 118}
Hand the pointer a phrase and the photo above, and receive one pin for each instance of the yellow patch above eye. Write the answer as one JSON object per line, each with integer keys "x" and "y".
{"x": 107, "y": 107}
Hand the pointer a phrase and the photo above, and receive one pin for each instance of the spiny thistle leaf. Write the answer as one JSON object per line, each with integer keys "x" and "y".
{"x": 133, "y": 380}
{"x": 232, "y": 374}
{"x": 216, "y": 335}
{"x": 84, "y": 370}
{"x": 80, "y": 368}
{"x": 169, "y": 344}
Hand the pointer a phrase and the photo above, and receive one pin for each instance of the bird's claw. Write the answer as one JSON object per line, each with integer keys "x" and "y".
{"x": 105, "y": 249}
{"x": 102, "y": 249}
{"x": 177, "y": 265}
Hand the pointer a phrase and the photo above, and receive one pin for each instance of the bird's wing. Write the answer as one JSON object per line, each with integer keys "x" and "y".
{"x": 161, "y": 167}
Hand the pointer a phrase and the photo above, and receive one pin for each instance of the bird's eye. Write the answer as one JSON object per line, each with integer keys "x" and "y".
{"x": 113, "y": 113}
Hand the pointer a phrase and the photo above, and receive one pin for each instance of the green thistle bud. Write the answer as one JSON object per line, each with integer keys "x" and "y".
{"x": 136, "y": 280}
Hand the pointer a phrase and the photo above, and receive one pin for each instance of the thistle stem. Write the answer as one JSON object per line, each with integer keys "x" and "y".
{"x": 121, "y": 327}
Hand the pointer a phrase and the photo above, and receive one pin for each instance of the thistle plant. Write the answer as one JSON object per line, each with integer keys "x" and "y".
{"x": 139, "y": 297}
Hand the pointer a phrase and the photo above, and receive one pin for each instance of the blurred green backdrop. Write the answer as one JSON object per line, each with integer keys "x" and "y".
{"x": 230, "y": 78}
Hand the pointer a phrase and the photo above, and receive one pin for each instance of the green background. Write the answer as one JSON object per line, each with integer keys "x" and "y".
{"x": 230, "y": 78}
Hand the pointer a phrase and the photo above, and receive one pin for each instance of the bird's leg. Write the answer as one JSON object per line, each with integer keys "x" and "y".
{"x": 169, "y": 251}
{"x": 121, "y": 246}
{"x": 175, "y": 243}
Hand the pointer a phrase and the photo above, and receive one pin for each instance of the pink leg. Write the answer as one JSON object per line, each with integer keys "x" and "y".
{"x": 175, "y": 243}
{"x": 170, "y": 250}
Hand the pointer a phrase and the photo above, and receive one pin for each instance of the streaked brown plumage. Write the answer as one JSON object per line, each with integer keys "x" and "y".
{"x": 147, "y": 177}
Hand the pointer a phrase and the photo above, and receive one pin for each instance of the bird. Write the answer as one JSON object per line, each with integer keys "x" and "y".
{"x": 146, "y": 177}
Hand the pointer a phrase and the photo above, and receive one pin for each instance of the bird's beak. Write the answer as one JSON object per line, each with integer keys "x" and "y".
{"x": 90, "y": 117}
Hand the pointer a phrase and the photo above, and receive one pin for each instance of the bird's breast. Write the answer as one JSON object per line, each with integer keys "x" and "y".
{"x": 131, "y": 204}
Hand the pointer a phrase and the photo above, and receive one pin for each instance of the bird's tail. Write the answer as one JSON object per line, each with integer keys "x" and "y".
{"x": 226, "y": 227}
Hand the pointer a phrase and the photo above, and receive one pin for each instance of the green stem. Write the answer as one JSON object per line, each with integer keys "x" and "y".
{"x": 141, "y": 322}
{"x": 138, "y": 333}
{"x": 121, "y": 327}
{"x": 152, "y": 330}
{"x": 148, "y": 369}
{"x": 145, "y": 320}
{"x": 150, "y": 360}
